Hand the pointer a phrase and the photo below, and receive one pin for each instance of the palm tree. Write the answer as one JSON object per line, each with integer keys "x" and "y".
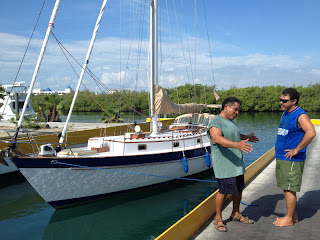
{"x": 111, "y": 117}
{"x": 50, "y": 107}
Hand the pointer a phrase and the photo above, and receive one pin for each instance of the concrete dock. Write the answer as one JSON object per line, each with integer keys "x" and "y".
{"x": 264, "y": 192}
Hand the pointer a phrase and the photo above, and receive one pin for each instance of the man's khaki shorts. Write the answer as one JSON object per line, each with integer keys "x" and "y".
{"x": 289, "y": 175}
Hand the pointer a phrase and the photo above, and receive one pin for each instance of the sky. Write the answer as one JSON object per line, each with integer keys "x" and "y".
{"x": 226, "y": 43}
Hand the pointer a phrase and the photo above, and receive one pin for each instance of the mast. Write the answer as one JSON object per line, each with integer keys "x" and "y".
{"x": 153, "y": 62}
{"x": 84, "y": 67}
{"x": 36, "y": 70}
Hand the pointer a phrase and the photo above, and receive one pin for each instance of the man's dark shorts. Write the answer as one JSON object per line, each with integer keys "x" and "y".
{"x": 232, "y": 185}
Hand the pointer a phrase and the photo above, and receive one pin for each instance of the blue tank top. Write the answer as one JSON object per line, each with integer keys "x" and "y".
{"x": 290, "y": 135}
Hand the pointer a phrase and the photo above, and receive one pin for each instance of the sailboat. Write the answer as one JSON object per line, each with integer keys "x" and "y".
{"x": 111, "y": 165}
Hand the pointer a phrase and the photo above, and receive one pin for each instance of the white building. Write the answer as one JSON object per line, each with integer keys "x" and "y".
{"x": 49, "y": 91}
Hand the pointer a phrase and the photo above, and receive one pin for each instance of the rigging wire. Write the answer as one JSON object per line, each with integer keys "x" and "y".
{"x": 120, "y": 46}
{"x": 25, "y": 52}
{"x": 61, "y": 47}
{"x": 131, "y": 41}
{"x": 173, "y": 59}
{"x": 127, "y": 64}
{"x": 205, "y": 16}
{"x": 195, "y": 48}
{"x": 181, "y": 40}
{"x": 97, "y": 80}
{"x": 187, "y": 38}
{"x": 193, "y": 73}
{"x": 94, "y": 77}
{"x": 144, "y": 174}
{"x": 183, "y": 51}
{"x": 29, "y": 41}
{"x": 141, "y": 29}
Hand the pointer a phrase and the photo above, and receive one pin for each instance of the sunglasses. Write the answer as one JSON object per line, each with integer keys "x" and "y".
{"x": 284, "y": 100}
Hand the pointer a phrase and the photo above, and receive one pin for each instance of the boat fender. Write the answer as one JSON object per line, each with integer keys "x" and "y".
{"x": 185, "y": 164}
{"x": 208, "y": 160}
{"x": 185, "y": 207}
{"x": 208, "y": 193}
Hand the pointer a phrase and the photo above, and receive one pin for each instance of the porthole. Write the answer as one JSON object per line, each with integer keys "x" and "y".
{"x": 176, "y": 144}
{"x": 142, "y": 147}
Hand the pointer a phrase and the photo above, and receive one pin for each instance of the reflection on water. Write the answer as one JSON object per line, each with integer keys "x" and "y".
{"x": 23, "y": 213}
{"x": 19, "y": 200}
{"x": 265, "y": 127}
{"x": 142, "y": 215}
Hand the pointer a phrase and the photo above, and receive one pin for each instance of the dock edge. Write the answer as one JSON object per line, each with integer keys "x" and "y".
{"x": 187, "y": 226}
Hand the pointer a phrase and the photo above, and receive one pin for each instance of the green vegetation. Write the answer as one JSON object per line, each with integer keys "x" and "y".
{"x": 111, "y": 117}
{"x": 266, "y": 99}
{"x": 254, "y": 99}
{"x": 33, "y": 121}
{"x": 50, "y": 107}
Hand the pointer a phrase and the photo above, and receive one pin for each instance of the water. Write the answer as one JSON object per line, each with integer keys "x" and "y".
{"x": 140, "y": 215}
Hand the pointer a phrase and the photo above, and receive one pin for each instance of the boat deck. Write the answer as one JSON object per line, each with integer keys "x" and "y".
{"x": 263, "y": 191}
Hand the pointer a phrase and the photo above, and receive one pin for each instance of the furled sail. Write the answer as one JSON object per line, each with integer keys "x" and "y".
{"x": 162, "y": 104}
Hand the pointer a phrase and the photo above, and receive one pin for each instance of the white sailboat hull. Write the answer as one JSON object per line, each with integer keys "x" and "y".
{"x": 64, "y": 186}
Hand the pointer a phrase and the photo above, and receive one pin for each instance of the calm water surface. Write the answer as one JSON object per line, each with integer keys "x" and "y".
{"x": 140, "y": 215}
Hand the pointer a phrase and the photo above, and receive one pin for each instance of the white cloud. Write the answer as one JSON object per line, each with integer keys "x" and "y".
{"x": 315, "y": 71}
{"x": 178, "y": 69}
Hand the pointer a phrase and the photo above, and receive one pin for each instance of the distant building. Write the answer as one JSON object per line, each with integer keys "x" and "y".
{"x": 49, "y": 91}
{"x": 111, "y": 91}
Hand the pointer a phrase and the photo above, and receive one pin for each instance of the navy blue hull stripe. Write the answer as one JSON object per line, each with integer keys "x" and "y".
{"x": 45, "y": 162}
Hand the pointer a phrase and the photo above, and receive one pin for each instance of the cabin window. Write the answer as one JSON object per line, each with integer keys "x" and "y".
{"x": 198, "y": 140}
{"x": 142, "y": 147}
{"x": 176, "y": 144}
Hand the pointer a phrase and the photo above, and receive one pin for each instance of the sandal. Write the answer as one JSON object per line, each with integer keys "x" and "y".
{"x": 244, "y": 220}
{"x": 219, "y": 226}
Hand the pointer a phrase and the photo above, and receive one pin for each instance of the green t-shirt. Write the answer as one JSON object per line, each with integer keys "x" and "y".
{"x": 226, "y": 162}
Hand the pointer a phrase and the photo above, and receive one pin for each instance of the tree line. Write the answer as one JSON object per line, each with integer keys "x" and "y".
{"x": 254, "y": 99}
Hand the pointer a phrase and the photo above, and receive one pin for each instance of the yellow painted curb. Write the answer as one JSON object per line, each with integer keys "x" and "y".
{"x": 315, "y": 121}
{"x": 187, "y": 226}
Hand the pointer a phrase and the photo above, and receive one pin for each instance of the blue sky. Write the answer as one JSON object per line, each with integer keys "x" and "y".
{"x": 252, "y": 42}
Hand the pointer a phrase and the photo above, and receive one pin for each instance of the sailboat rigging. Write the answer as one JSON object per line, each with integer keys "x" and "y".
{"x": 34, "y": 77}
{"x": 108, "y": 165}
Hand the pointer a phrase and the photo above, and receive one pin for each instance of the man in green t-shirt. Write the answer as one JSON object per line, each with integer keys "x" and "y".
{"x": 227, "y": 148}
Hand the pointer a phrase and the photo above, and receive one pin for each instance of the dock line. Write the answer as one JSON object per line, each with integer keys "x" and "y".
{"x": 143, "y": 174}
{"x": 250, "y": 205}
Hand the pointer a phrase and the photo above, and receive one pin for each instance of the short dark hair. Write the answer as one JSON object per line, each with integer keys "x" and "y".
{"x": 230, "y": 101}
{"x": 293, "y": 94}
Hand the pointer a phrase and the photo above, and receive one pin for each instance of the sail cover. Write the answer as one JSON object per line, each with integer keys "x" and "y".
{"x": 162, "y": 104}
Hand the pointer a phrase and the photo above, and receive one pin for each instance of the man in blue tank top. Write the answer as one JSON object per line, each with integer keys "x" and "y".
{"x": 227, "y": 148}
{"x": 295, "y": 132}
